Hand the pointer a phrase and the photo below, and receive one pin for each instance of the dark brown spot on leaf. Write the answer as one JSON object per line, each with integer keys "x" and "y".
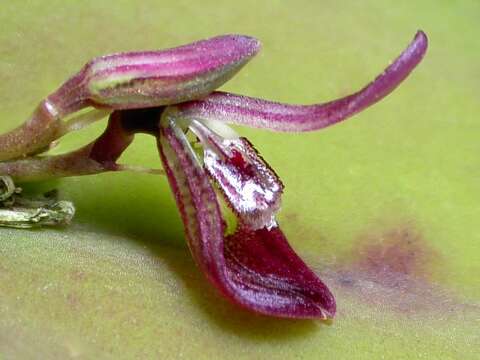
{"x": 395, "y": 255}
{"x": 78, "y": 275}
{"x": 395, "y": 270}
{"x": 73, "y": 301}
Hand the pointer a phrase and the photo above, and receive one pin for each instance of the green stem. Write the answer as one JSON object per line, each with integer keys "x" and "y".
{"x": 34, "y": 136}
{"x": 40, "y": 168}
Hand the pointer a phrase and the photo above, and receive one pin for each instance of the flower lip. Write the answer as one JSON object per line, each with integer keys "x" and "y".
{"x": 254, "y": 268}
{"x": 269, "y": 276}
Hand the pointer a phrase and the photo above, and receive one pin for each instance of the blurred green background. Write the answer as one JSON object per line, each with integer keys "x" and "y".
{"x": 384, "y": 206}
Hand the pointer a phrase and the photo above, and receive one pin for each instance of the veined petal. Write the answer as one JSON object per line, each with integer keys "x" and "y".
{"x": 250, "y": 186}
{"x": 155, "y": 78}
{"x": 275, "y": 116}
{"x": 255, "y": 269}
{"x": 264, "y": 269}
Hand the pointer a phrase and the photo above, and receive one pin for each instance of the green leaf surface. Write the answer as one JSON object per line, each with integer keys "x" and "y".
{"x": 384, "y": 206}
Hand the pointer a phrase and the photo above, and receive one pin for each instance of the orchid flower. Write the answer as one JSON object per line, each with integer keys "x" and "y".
{"x": 170, "y": 94}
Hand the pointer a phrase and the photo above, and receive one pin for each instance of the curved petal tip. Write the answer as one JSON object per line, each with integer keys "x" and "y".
{"x": 420, "y": 44}
{"x": 267, "y": 276}
{"x": 422, "y": 38}
{"x": 257, "y": 113}
{"x": 249, "y": 44}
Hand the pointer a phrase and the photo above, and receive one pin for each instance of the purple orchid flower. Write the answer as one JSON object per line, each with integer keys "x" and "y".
{"x": 169, "y": 93}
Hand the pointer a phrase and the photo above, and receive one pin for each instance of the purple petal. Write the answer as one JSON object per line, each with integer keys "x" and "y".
{"x": 259, "y": 113}
{"x": 147, "y": 79}
{"x": 155, "y": 78}
{"x": 266, "y": 272}
{"x": 255, "y": 269}
{"x": 250, "y": 186}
